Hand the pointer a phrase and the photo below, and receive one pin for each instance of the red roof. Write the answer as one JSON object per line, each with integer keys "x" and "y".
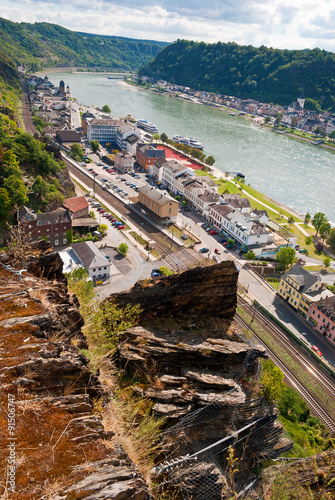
{"x": 76, "y": 203}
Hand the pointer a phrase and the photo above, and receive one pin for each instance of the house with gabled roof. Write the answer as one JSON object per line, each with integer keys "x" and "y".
{"x": 97, "y": 265}
{"x": 301, "y": 289}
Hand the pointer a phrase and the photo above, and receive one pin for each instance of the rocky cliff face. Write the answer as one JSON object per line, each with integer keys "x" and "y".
{"x": 189, "y": 360}
{"x": 48, "y": 397}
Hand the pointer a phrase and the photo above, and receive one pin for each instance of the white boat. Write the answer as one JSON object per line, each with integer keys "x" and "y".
{"x": 193, "y": 142}
{"x": 149, "y": 127}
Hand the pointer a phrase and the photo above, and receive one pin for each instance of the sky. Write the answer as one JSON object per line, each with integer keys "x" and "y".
{"x": 283, "y": 24}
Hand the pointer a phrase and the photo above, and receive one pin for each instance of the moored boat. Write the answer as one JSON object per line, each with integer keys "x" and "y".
{"x": 145, "y": 125}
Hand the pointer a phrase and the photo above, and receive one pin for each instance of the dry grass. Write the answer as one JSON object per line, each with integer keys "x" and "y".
{"x": 135, "y": 429}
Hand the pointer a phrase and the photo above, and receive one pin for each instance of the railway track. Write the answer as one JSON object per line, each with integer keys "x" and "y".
{"x": 275, "y": 332}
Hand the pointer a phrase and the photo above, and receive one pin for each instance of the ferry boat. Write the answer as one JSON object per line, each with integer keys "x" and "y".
{"x": 149, "y": 127}
{"x": 193, "y": 142}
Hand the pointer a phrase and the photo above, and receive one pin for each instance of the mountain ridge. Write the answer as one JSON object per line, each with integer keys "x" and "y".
{"x": 41, "y": 45}
{"x": 265, "y": 74}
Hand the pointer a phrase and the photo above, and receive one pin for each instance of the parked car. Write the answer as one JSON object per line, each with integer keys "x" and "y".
{"x": 212, "y": 231}
{"x": 91, "y": 170}
{"x": 121, "y": 226}
{"x": 105, "y": 168}
{"x": 107, "y": 257}
{"x": 103, "y": 179}
{"x": 94, "y": 173}
{"x": 317, "y": 350}
{"x": 186, "y": 209}
{"x": 204, "y": 250}
{"x": 217, "y": 251}
{"x": 216, "y": 258}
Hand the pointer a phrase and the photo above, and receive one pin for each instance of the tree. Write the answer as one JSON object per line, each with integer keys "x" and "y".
{"x": 290, "y": 220}
{"x": 331, "y": 238}
{"x": 40, "y": 186}
{"x": 326, "y": 262}
{"x": 250, "y": 255}
{"x": 318, "y": 220}
{"x": 272, "y": 379}
{"x": 230, "y": 242}
{"x": 17, "y": 190}
{"x": 106, "y": 109}
{"x": 5, "y": 204}
{"x": 156, "y": 137}
{"x": 123, "y": 249}
{"x": 163, "y": 137}
{"x": 178, "y": 197}
{"x": 69, "y": 236}
{"x": 103, "y": 228}
{"x": 76, "y": 152}
{"x": 285, "y": 257}
{"x": 95, "y": 145}
{"x": 309, "y": 240}
{"x": 325, "y": 230}
{"x": 307, "y": 218}
{"x": 278, "y": 120}
{"x": 80, "y": 283}
{"x": 267, "y": 119}
{"x": 210, "y": 160}
{"x": 165, "y": 271}
{"x": 184, "y": 203}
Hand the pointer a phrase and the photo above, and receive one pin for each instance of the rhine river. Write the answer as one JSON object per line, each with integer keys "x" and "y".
{"x": 292, "y": 172}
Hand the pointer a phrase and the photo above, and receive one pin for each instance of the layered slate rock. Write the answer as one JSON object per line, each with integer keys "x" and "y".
{"x": 192, "y": 364}
{"x": 194, "y": 295}
{"x": 63, "y": 450}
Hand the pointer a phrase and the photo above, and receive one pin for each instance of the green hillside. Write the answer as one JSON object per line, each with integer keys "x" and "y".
{"x": 265, "y": 74}
{"x": 43, "y": 45}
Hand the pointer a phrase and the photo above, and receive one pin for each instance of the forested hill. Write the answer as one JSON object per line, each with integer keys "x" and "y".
{"x": 46, "y": 45}
{"x": 264, "y": 74}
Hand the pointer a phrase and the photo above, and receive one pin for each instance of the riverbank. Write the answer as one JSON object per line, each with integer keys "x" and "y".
{"x": 256, "y": 120}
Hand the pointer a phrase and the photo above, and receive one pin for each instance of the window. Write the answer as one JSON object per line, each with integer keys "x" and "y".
{"x": 94, "y": 270}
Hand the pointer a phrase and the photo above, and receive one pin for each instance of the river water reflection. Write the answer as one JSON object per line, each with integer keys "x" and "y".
{"x": 291, "y": 172}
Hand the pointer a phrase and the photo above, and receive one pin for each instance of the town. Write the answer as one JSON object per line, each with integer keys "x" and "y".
{"x": 161, "y": 184}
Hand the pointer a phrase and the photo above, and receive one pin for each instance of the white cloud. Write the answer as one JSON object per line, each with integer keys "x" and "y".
{"x": 275, "y": 23}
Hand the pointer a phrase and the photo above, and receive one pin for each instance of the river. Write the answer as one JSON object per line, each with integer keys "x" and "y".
{"x": 292, "y": 172}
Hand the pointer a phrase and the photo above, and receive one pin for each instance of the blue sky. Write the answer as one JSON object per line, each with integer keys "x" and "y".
{"x": 275, "y": 23}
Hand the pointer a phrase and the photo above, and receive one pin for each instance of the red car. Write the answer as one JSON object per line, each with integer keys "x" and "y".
{"x": 317, "y": 350}
{"x": 217, "y": 251}
{"x": 109, "y": 170}
{"x": 212, "y": 231}
{"x": 121, "y": 227}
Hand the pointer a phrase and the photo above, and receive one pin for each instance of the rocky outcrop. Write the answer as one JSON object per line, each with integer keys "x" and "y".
{"x": 193, "y": 366}
{"x": 61, "y": 446}
{"x": 196, "y": 295}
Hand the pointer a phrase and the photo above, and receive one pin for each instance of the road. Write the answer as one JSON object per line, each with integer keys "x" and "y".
{"x": 28, "y": 124}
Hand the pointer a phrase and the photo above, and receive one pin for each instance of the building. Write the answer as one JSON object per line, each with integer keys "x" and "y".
{"x": 159, "y": 202}
{"x": 236, "y": 201}
{"x": 201, "y": 192}
{"x": 104, "y": 130}
{"x": 67, "y": 136}
{"x": 147, "y": 154}
{"x": 126, "y": 137}
{"x": 124, "y": 162}
{"x": 52, "y": 226}
{"x": 79, "y": 210}
{"x": 97, "y": 265}
{"x": 171, "y": 170}
{"x": 322, "y": 317}
{"x": 77, "y": 205}
{"x": 301, "y": 289}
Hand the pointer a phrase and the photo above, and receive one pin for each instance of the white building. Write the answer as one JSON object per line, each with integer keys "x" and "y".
{"x": 97, "y": 265}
